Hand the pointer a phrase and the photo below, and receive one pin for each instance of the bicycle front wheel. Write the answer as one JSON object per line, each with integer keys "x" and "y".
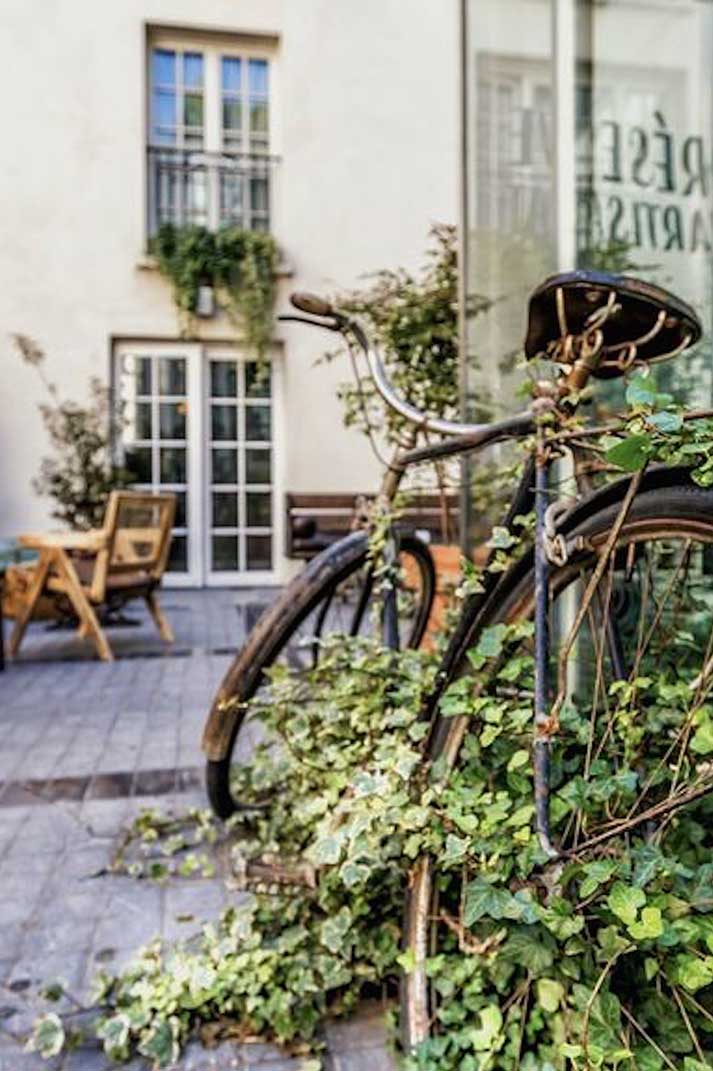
{"x": 334, "y": 595}
{"x": 495, "y": 973}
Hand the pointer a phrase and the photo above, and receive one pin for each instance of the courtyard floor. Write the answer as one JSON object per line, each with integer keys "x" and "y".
{"x": 84, "y": 747}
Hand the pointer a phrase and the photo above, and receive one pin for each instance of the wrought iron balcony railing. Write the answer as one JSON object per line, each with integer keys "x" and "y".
{"x": 212, "y": 189}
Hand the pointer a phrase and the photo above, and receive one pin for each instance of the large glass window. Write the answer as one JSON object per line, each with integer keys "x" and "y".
{"x": 209, "y": 134}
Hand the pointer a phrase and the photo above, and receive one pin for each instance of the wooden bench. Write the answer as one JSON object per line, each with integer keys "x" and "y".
{"x": 314, "y": 521}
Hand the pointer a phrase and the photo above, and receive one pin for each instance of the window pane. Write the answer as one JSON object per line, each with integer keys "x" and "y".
{"x": 171, "y": 375}
{"x": 225, "y": 466}
{"x": 225, "y": 552}
{"x": 257, "y": 76}
{"x": 193, "y": 110}
{"x": 193, "y": 69}
{"x": 257, "y": 423}
{"x": 259, "y": 552}
{"x": 224, "y": 422}
{"x": 138, "y": 461}
{"x": 173, "y": 464}
{"x": 225, "y": 509}
{"x": 257, "y": 466}
{"x": 164, "y": 108}
{"x": 164, "y": 67}
{"x": 172, "y": 420}
{"x": 178, "y": 555}
{"x": 257, "y": 379}
{"x": 142, "y": 421}
{"x": 142, "y": 370}
{"x": 223, "y": 379}
{"x": 258, "y": 195}
{"x": 258, "y": 509}
{"x": 181, "y": 509}
{"x": 232, "y": 114}
{"x": 231, "y": 73}
{"x": 258, "y": 117}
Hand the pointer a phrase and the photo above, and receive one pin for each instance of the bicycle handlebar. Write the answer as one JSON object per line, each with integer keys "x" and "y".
{"x": 316, "y": 306}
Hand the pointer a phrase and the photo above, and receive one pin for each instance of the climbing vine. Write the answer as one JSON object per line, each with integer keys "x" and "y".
{"x": 239, "y": 264}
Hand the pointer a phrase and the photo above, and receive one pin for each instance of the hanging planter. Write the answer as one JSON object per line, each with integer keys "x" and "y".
{"x": 230, "y": 268}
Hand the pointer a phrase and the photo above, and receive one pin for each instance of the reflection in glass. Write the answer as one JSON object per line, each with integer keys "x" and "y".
{"x": 181, "y": 509}
{"x": 193, "y": 110}
{"x": 138, "y": 461}
{"x": 225, "y": 509}
{"x": 164, "y": 66}
{"x": 142, "y": 417}
{"x": 258, "y": 510}
{"x": 193, "y": 69}
{"x": 257, "y": 466}
{"x": 257, "y": 423}
{"x": 223, "y": 379}
{"x": 142, "y": 371}
{"x": 171, "y": 375}
{"x": 258, "y": 552}
{"x": 173, "y": 464}
{"x": 257, "y": 379}
{"x": 178, "y": 555}
{"x": 230, "y": 72}
{"x": 225, "y": 465}
{"x": 172, "y": 420}
{"x": 224, "y": 422}
{"x": 257, "y": 77}
{"x": 232, "y": 114}
{"x": 225, "y": 552}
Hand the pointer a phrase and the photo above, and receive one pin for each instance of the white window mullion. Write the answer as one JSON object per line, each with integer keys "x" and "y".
{"x": 196, "y": 482}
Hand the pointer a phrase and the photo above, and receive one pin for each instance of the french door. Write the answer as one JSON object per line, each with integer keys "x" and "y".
{"x": 199, "y": 421}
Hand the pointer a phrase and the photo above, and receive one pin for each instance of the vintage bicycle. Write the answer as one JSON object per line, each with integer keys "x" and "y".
{"x": 609, "y": 578}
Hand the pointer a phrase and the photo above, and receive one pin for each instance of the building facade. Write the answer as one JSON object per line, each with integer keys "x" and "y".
{"x": 333, "y": 126}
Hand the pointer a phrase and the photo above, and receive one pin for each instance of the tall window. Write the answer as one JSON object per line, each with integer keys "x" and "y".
{"x": 209, "y": 135}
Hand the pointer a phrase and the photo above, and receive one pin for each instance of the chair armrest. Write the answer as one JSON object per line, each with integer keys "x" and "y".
{"x": 92, "y": 541}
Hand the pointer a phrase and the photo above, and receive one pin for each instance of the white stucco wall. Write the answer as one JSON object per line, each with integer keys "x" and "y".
{"x": 366, "y": 99}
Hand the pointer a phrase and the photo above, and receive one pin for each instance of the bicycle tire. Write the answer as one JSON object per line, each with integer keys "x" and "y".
{"x": 679, "y": 511}
{"x": 272, "y": 634}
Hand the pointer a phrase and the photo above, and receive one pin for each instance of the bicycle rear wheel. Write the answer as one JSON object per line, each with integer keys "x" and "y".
{"x": 474, "y": 933}
{"x": 334, "y": 595}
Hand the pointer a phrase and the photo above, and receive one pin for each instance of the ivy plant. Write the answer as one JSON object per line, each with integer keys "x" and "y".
{"x": 239, "y": 264}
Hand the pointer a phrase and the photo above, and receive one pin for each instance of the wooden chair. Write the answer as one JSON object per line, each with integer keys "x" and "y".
{"x": 103, "y": 568}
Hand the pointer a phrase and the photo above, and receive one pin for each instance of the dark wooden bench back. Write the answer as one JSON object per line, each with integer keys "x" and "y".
{"x": 315, "y": 520}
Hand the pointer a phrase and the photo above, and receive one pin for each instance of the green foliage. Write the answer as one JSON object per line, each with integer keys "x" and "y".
{"x": 239, "y": 264}
{"x": 413, "y": 319}
{"x": 656, "y": 431}
{"x": 80, "y": 475}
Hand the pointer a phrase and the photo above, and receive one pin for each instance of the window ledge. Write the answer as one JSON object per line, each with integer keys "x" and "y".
{"x": 285, "y": 269}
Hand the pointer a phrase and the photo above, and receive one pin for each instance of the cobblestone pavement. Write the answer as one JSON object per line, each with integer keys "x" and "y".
{"x": 84, "y": 746}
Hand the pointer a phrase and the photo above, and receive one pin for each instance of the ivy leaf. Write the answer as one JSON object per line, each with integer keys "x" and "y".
{"x": 334, "y": 930}
{"x": 518, "y": 759}
{"x": 702, "y": 742}
{"x": 630, "y": 454}
{"x": 483, "y": 1036}
{"x": 328, "y": 850}
{"x": 666, "y": 421}
{"x": 641, "y": 390}
{"x": 47, "y": 1036}
{"x": 531, "y": 950}
{"x": 161, "y": 1044}
{"x": 456, "y": 848}
{"x": 650, "y": 926}
{"x": 491, "y": 641}
{"x": 549, "y": 994}
{"x": 596, "y": 874}
{"x": 692, "y": 972}
{"x": 625, "y": 901}
{"x": 483, "y": 899}
{"x": 115, "y": 1034}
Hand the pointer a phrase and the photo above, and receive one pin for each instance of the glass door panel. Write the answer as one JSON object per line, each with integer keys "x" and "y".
{"x": 240, "y": 506}
{"x": 154, "y": 399}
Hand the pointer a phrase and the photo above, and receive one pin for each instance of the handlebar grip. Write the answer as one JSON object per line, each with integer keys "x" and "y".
{"x": 310, "y": 303}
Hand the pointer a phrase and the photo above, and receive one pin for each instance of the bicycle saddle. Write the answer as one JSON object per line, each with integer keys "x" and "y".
{"x": 625, "y": 319}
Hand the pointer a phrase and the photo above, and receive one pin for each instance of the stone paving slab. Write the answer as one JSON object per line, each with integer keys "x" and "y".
{"x": 84, "y": 747}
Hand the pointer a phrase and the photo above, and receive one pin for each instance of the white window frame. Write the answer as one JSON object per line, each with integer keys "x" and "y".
{"x": 214, "y": 47}
{"x": 198, "y": 514}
